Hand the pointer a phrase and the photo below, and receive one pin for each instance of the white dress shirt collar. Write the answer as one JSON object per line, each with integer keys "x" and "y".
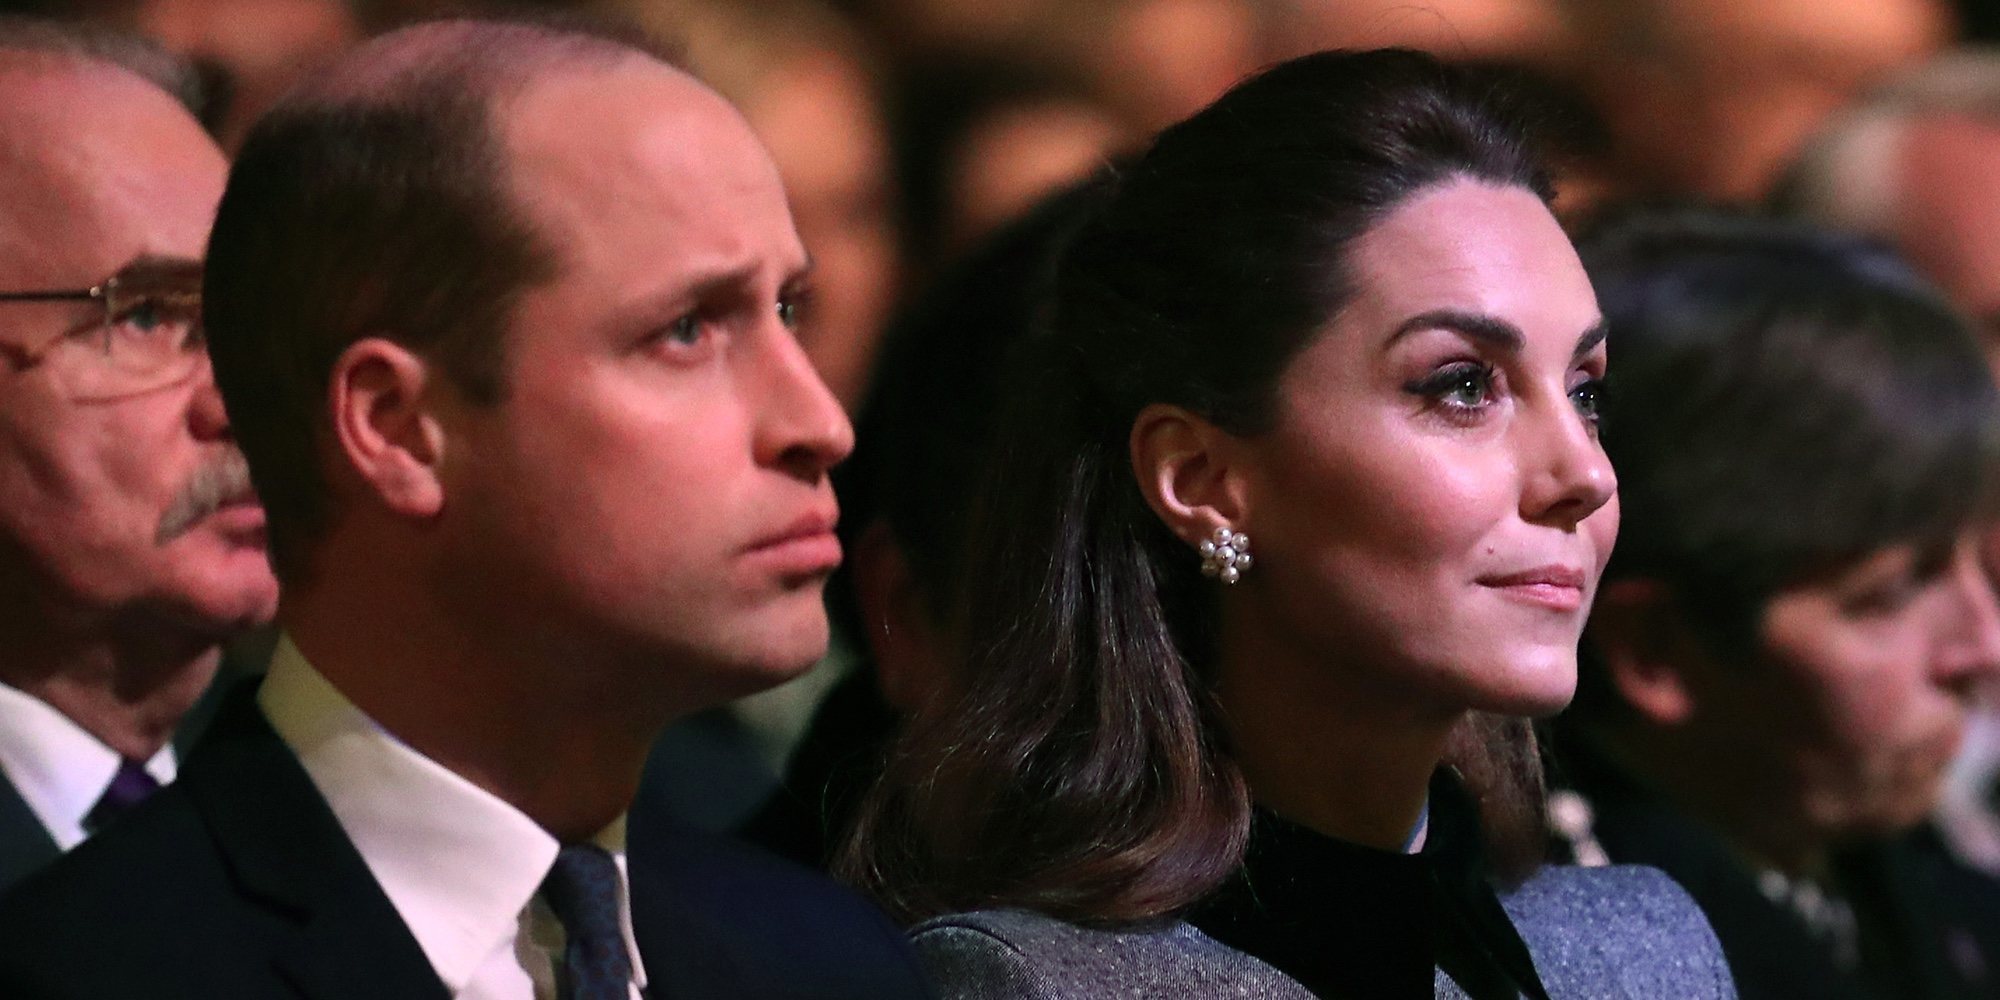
{"x": 460, "y": 865}
{"x": 60, "y": 770}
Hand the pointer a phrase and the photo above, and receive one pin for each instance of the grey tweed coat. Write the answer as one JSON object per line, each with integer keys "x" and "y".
{"x": 1620, "y": 933}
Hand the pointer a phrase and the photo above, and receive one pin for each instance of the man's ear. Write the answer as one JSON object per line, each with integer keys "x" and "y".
{"x": 380, "y": 394}
{"x": 1186, "y": 470}
{"x": 905, "y": 643}
{"x": 1646, "y": 649}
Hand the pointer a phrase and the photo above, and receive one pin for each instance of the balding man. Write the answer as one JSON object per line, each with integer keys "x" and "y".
{"x": 505, "y": 315}
{"x": 1915, "y": 165}
{"x": 131, "y": 546}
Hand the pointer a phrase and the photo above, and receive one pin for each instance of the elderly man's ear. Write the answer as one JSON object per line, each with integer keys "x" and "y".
{"x": 1647, "y": 651}
{"x": 384, "y": 425}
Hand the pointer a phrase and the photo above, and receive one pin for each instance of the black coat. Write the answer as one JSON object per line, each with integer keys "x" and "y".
{"x": 238, "y": 882}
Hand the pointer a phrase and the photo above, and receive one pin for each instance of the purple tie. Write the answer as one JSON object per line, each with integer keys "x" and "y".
{"x": 582, "y": 889}
{"x": 128, "y": 788}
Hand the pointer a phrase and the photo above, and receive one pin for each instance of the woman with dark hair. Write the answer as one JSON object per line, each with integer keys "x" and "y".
{"x": 1331, "y": 314}
{"x": 1787, "y": 643}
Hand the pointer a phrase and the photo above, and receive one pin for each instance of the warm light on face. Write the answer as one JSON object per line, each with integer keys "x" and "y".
{"x": 1431, "y": 507}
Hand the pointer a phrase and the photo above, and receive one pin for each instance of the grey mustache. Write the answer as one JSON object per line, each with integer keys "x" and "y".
{"x": 221, "y": 481}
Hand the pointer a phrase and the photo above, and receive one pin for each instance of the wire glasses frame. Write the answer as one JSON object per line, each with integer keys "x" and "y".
{"x": 146, "y": 334}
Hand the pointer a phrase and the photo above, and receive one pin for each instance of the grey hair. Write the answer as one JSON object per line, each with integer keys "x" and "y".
{"x": 1849, "y": 174}
{"x": 23, "y": 37}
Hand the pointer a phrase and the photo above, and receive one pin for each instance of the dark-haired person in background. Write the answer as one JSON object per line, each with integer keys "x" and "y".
{"x": 1331, "y": 323}
{"x": 510, "y": 307}
{"x": 131, "y": 547}
{"x": 1781, "y": 658}
{"x": 907, "y": 500}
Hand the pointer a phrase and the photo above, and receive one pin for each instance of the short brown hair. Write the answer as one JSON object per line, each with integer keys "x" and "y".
{"x": 373, "y": 203}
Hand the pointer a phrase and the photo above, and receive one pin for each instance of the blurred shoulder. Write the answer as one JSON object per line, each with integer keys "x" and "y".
{"x": 1018, "y": 955}
{"x": 1619, "y": 930}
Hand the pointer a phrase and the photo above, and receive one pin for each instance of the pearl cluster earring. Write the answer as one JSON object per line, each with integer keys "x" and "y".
{"x": 1225, "y": 555}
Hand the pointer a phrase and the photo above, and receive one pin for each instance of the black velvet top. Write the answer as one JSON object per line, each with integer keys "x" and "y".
{"x": 1349, "y": 921}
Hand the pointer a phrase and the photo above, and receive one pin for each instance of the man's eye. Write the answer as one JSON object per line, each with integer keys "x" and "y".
{"x": 685, "y": 331}
{"x": 144, "y": 316}
{"x": 789, "y": 313}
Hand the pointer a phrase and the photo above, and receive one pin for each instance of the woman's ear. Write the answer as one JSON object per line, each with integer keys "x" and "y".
{"x": 1186, "y": 469}
{"x": 1644, "y": 647}
{"x": 386, "y": 435}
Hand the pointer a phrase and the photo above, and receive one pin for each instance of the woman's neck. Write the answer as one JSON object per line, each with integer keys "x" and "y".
{"x": 1322, "y": 750}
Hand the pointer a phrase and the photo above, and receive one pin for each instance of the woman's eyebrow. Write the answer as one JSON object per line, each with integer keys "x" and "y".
{"x": 1590, "y": 339}
{"x": 1479, "y": 326}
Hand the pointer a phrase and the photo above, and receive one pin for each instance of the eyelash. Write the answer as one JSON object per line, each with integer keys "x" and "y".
{"x": 687, "y": 331}
{"x": 1444, "y": 386}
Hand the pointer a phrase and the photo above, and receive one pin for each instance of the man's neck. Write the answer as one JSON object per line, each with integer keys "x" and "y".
{"x": 128, "y": 691}
{"x": 563, "y": 751}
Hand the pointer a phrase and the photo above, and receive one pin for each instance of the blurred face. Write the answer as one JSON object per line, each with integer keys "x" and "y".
{"x": 1431, "y": 511}
{"x": 1949, "y": 213}
{"x": 1867, "y": 676}
{"x": 817, "y": 118}
{"x": 652, "y": 491}
{"x": 133, "y": 500}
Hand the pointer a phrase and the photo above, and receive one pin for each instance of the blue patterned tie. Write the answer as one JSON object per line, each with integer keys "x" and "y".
{"x": 582, "y": 889}
{"x": 128, "y": 788}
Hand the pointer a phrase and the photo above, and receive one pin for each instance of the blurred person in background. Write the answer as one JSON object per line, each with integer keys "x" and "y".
{"x": 979, "y": 143}
{"x": 1155, "y": 62}
{"x": 1778, "y": 668}
{"x": 246, "y": 52}
{"x": 1712, "y": 98}
{"x": 907, "y": 499}
{"x": 131, "y": 546}
{"x": 1916, "y": 164}
{"x": 1523, "y": 31}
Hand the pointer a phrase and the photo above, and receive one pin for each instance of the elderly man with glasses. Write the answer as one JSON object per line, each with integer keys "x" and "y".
{"x": 131, "y": 545}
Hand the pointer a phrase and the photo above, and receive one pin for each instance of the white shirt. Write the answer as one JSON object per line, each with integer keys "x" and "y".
{"x": 60, "y": 770}
{"x": 461, "y": 866}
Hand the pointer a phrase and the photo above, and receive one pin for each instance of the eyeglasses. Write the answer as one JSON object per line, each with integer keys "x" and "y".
{"x": 144, "y": 334}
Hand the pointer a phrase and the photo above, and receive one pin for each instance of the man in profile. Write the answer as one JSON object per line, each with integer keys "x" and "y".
{"x": 131, "y": 546}
{"x": 505, "y": 313}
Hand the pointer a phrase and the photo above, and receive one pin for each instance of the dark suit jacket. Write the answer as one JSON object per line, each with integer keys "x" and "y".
{"x": 238, "y": 882}
{"x": 1920, "y": 913}
{"x": 25, "y": 844}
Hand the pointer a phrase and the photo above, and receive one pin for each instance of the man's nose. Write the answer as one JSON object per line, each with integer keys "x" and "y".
{"x": 800, "y": 426}
{"x": 208, "y": 419}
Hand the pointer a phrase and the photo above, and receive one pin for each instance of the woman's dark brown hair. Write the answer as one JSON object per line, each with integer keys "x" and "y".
{"x": 1076, "y": 766}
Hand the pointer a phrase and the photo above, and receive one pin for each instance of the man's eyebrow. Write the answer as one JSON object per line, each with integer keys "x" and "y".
{"x": 1479, "y": 326}
{"x": 158, "y": 265}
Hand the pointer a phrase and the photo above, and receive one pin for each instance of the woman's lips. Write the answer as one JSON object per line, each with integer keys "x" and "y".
{"x": 1556, "y": 587}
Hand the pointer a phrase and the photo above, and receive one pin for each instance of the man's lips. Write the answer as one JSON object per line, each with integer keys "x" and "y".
{"x": 805, "y": 547}
{"x": 1555, "y": 586}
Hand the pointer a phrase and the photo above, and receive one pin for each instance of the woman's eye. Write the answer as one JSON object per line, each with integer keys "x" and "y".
{"x": 1462, "y": 386}
{"x": 1588, "y": 397}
